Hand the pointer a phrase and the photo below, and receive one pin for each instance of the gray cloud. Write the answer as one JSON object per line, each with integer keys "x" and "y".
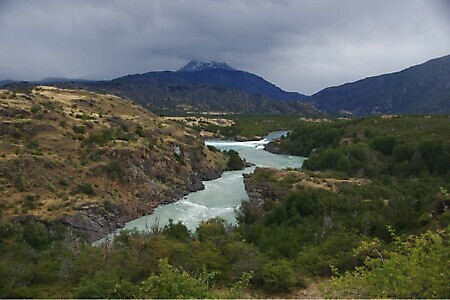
{"x": 299, "y": 45}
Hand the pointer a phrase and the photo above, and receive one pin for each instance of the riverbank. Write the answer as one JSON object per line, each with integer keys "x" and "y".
{"x": 94, "y": 222}
{"x": 223, "y": 196}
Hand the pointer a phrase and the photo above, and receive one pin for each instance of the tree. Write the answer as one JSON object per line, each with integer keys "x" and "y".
{"x": 177, "y": 231}
{"x": 279, "y": 276}
{"x": 235, "y": 162}
{"x": 173, "y": 283}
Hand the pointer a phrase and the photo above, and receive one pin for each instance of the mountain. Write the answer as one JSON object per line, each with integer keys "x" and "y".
{"x": 222, "y": 75}
{"x": 198, "y": 87}
{"x": 5, "y": 82}
{"x": 93, "y": 161}
{"x": 216, "y": 74}
{"x": 202, "y": 87}
{"x": 48, "y": 80}
{"x": 60, "y": 79}
{"x": 424, "y": 88}
{"x": 168, "y": 95}
{"x": 219, "y": 74}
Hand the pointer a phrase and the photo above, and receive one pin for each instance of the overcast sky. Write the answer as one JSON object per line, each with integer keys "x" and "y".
{"x": 299, "y": 45}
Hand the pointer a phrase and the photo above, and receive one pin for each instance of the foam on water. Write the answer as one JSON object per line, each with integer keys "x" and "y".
{"x": 221, "y": 197}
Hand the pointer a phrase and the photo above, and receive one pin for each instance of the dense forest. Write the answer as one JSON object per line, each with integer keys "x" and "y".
{"x": 378, "y": 228}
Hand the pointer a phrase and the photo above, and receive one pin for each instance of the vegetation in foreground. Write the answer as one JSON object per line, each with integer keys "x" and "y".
{"x": 405, "y": 160}
{"x": 171, "y": 263}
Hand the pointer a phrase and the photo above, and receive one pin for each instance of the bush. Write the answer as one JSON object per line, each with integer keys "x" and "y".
{"x": 384, "y": 144}
{"x": 85, "y": 188}
{"x": 279, "y": 276}
{"x": 139, "y": 131}
{"x": 173, "y": 283}
{"x": 177, "y": 231}
{"x": 36, "y": 234}
{"x": 80, "y": 129}
{"x": 21, "y": 183}
{"x": 30, "y": 202}
{"x": 416, "y": 268}
{"x": 213, "y": 230}
{"x": 36, "y": 108}
{"x": 101, "y": 138}
{"x": 105, "y": 284}
{"x": 235, "y": 162}
{"x": 114, "y": 170}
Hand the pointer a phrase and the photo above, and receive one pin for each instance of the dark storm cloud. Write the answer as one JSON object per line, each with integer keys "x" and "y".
{"x": 299, "y": 45}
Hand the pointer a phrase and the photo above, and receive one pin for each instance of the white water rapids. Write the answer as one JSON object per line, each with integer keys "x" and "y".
{"x": 220, "y": 197}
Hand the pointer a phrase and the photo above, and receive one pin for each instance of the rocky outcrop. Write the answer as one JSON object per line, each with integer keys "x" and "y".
{"x": 95, "y": 221}
{"x": 260, "y": 191}
{"x": 274, "y": 147}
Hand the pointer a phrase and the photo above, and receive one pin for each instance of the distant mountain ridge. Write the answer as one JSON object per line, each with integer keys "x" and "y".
{"x": 219, "y": 75}
{"x": 423, "y": 88}
{"x": 203, "y": 87}
{"x": 47, "y": 80}
{"x": 167, "y": 96}
{"x": 209, "y": 86}
{"x": 5, "y": 82}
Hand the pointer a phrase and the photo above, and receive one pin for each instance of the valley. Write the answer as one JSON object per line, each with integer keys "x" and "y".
{"x": 210, "y": 149}
{"x": 337, "y": 198}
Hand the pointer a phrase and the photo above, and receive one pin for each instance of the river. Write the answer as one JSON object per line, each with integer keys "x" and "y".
{"x": 220, "y": 197}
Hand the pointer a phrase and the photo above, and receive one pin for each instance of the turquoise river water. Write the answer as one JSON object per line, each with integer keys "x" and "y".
{"x": 220, "y": 197}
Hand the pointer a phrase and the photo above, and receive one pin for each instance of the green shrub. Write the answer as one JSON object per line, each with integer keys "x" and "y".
{"x": 105, "y": 284}
{"x": 85, "y": 188}
{"x": 235, "y": 162}
{"x": 213, "y": 230}
{"x": 416, "y": 268}
{"x": 139, "y": 131}
{"x": 30, "y": 202}
{"x": 384, "y": 144}
{"x": 80, "y": 129}
{"x": 36, "y": 234}
{"x": 177, "y": 231}
{"x": 21, "y": 183}
{"x": 173, "y": 283}
{"x": 279, "y": 276}
{"x": 32, "y": 145}
{"x": 114, "y": 170}
{"x": 36, "y": 108}
{"x": 100, "y": 138}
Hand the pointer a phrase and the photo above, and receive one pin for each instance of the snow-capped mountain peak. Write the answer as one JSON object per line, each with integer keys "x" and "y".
{"x": 201, "y": 65}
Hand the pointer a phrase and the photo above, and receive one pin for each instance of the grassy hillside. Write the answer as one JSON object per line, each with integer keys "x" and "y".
{"x": 93, "y": 161}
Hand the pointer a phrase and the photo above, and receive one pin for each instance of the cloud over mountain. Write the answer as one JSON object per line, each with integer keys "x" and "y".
{"x": 298, "y": 45}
